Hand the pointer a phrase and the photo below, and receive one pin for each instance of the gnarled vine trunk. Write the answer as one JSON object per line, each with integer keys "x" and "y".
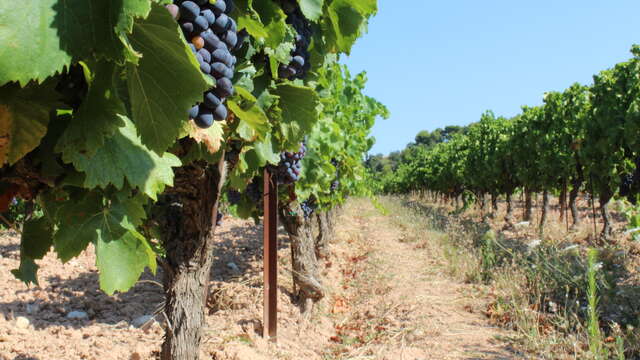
{"x": 308, "y": 288}
{"x": 528, "y": 205}
{"x": 605, "y": 196}
{"x": 188, "y": 217}
{"x": 494, "y": 206}
{"x": 325, "y": 234}
{"x": 545, "y": 209}
{"x": 563, "y": 201}
{"x": 508, "y": 218}
{"x": 573, "y": 205}
{"x": 576, "y": 183}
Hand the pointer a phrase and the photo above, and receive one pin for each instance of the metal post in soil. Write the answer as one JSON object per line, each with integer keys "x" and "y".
{"x": 270, "y": 257}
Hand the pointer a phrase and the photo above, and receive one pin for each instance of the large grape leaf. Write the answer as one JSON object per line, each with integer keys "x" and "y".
{"x": 27, "y": 272}
{"x": 24, "y": 115}
{"x": 299, "y": 110}
{"x": 312, "y": 9}
{"x": 40, "y": 37}
{"x": 346, "y": 22}
{"x": 98, "y": 116}
{"x": 123, "y": 156}
{"x": 87, "y": 218}
{"x": 166, "y": 82}
{"x": 36, "y": 238}
{"x": 121, "y": 261}
{"x": 253, "y": 117}
{"x": 263, "y": 152}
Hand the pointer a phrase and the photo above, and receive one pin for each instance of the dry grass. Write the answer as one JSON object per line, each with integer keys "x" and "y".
{"x": 537, "y": 282}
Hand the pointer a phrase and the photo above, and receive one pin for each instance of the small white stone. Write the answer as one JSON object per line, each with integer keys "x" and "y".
{"x": 22, "y": 322}
{"x": 77, "y": 315}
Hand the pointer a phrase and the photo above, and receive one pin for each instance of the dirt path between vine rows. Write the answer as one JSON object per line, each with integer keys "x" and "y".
{"x": 429, "y": 315}
{"x": 387, "y": 298}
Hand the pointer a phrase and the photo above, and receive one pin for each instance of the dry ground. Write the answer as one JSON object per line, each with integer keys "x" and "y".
{"x": 387, "y": 299}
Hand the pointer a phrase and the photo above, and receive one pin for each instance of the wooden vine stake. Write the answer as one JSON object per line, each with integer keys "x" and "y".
{"x": 270, "y": 257}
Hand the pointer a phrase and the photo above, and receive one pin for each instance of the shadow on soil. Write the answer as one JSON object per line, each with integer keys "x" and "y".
{"x": 240, "y": 245}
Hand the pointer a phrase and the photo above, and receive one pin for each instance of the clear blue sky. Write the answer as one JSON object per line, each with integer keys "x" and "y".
{"x": 437, "y": 63}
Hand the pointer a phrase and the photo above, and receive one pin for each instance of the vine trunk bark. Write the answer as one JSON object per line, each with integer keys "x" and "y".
{"x": 528, "y": 205}
{"x": 325, "y": 234}
{"x": 188, "y": 220}
{"x": 576, "y": 184}
{"x": 545, "y": 210}
{"x": 563, "y": 201}
{"x": 605, "y": 196}
{"x": 308, "y": 288}
{"x": 494, "y": 206}
{"x": 508, "y": 218}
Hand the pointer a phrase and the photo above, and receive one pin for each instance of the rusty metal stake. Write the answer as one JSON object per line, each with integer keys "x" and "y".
{"x": 270, "y": 257}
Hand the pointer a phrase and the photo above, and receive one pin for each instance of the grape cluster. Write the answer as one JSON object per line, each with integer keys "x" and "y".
{"x": 290, "y": 166}
{"x": 212, "y": 35}
{"x": 630, "y": 184}
{"x": 336, "y": 183}
{"x": 299, "y": 64}
{"x": 308, "y": 207}
{"x": 254, "y": 191}
{"x": 233, "y": 196}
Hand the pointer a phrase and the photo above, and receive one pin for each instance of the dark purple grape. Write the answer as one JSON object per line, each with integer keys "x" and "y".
{"x": 222, "y": 24}
{"x": 231, "y": 39}
{"x": 219, "y": 7}
{"x": 297, "y": 62}
{"x": 189, "y": 10}
{"x": 224, "y": 87}
{"x": 222, "y": 56}
{"x": 219, "y": 70}
{"x": 205, "y": 67}
{"x": 204, "y": 119}
{"x": 200, "y": 24}
{"x": 211, "y": 41}
{"x": 192, "y": 47}
{"x": 211, "y": 100}
{"x": 187, "y": 29}
{"x": 206, "y": 55}
{"x": 220, "y": 113}
{"x": 208, "y": 14}
{"x": 193, "y": 112}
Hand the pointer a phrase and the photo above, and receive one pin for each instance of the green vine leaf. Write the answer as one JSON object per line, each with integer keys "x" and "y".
{"x": 299, "y": 106}
{"x": 312, "y": 9}
{"x": 97, "y": 118}
{"x": 66, "y": 31}
{"x": 122, "y": 260}
{"x": 123, "y": 156}
{"x": 24, "y": 116}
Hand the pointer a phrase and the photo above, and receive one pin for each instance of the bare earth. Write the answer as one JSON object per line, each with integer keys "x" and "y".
{"x": 387, "y": 299}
